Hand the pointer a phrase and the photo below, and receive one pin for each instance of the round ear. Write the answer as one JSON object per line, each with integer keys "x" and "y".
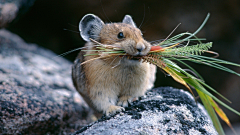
{"x": 90, "y": 27}
{"x": 128, "y": 20}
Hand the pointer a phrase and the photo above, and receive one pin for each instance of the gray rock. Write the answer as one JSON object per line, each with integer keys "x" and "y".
{"x": 9, "y": 9}
{"x": 36, "y": 92}
{"x": 164, "y": 110}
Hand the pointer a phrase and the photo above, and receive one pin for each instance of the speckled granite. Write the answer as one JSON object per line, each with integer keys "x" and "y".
{"x": 163, "y": 111}
{"x": 36, "y": 92}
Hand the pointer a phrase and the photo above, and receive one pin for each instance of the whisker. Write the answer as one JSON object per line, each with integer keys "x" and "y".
{"x": 66, "y": 53}
{"x": 71, "y": 30}
{"x": 72, "y": 25}
{"x": 147, "y": 21}
{"x": 143, "y": 17}
{"x": 104, "y": 11}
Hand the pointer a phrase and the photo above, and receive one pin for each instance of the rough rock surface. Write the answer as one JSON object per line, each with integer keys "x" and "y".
{"x": 36, "y": 92}
{"x": 9, "y": 9}
{"x": 164, "y": 110}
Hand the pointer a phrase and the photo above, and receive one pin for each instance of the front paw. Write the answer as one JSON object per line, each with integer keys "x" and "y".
{"x": 124, "y": 101}
{"x": 113, "y": 110}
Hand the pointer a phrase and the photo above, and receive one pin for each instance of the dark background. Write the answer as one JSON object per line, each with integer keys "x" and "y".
{"x": 46, "y": 21}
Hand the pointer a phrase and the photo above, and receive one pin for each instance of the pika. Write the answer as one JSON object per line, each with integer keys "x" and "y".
{"x": 108, "y": 85}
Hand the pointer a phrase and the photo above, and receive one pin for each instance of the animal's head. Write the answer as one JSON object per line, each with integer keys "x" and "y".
{"x": 124, "y": 35}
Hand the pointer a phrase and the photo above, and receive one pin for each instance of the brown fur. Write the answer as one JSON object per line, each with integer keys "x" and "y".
{"x": 107, "y": 84}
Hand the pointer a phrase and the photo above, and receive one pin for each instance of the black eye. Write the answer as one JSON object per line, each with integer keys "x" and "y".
{"x": 120, "y": 35}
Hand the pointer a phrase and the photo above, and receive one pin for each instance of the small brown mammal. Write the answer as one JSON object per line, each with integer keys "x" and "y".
{"x": 108, "y": 85}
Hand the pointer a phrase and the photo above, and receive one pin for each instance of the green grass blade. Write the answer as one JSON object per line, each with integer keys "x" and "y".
{"x": 203, "y": 60}
{"x": 201, "y": 78}
{"x": 201, "y": 26}
{"x": 194, "y": 82}
{"x": 217, "y": 60}
{"x": 207, "y": 86}
{"x": 211, "y": 112}
{"x": 91, "y": 54}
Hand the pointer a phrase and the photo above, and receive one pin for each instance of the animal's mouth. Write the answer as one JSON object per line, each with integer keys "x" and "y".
{"x": 135, "y": 58}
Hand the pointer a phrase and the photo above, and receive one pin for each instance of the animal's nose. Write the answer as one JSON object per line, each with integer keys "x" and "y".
{"x": 140, "y": 47}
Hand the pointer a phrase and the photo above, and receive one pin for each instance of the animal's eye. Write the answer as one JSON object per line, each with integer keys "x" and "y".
{"x": 120, "y": 35}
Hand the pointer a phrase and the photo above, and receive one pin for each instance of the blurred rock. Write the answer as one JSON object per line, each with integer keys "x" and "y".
{"x": 36, "y": 91}
{"x": 163, "y": 110}
{"x": 9, "y": 9}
